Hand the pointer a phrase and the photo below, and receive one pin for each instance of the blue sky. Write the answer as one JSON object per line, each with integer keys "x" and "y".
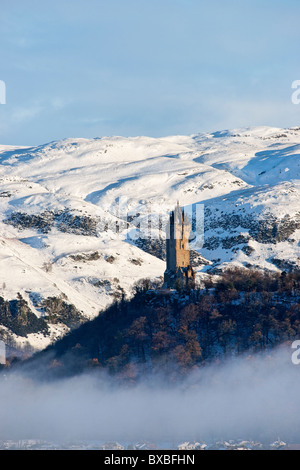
{"x": 94, "y": 68}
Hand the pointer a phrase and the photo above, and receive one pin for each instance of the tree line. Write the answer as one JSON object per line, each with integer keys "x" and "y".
{"x": 240, "y": 311}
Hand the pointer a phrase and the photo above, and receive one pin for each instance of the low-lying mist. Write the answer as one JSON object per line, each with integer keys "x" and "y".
{"x": 253, "y": 397}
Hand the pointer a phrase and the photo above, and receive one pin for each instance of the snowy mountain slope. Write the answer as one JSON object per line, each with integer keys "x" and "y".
{"x": 60, "y": 204}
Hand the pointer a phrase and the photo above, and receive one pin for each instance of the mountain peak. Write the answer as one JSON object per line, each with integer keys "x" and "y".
{"x": 60, "y": 204}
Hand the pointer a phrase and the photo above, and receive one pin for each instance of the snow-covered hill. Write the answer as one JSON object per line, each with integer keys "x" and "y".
{"x": 60, "y": 204}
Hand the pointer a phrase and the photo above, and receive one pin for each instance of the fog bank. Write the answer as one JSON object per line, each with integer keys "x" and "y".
{"x": 248, "y": 398}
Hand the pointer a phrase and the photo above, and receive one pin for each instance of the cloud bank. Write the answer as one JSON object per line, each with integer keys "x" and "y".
{"x": 248, "y": 398}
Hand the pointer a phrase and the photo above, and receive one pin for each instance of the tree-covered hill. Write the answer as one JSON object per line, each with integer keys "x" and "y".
{"x": 244, "y": 311}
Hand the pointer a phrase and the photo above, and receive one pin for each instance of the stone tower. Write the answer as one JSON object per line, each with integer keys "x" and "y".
{"x": 179, "y": 273}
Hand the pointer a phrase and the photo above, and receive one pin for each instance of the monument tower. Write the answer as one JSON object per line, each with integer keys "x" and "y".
{"x": 179, "y": 272}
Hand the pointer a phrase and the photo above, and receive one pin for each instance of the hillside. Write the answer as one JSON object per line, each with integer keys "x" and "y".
{"x": 172, "y": 333}
{"x": 60, "y": 205}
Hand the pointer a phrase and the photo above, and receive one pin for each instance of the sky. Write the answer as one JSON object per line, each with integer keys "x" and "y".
{"x": 93, "y": 68}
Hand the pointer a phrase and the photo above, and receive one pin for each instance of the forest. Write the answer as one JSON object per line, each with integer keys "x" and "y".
{"x": 239, "y": 312}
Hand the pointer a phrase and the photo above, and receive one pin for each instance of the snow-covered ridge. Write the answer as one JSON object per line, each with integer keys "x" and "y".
{"x": 53, "y": 198}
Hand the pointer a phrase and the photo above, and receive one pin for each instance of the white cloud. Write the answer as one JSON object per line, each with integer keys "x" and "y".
{"x": 25, "y": 114}
{"x": 248, "y": 398}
